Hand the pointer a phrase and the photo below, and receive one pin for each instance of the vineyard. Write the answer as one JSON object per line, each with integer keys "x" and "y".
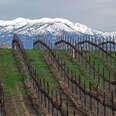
{"x": 64, "y": 78}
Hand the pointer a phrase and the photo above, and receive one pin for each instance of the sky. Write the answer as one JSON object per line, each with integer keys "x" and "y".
{"x": 97, "y": 14}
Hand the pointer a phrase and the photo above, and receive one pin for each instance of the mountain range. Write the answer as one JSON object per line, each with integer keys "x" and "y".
{"x": 29, "y": 29}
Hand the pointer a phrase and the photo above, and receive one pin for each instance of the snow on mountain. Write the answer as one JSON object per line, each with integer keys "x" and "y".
{"x": 51, "y": 26}
{"x": 24, "y": 26}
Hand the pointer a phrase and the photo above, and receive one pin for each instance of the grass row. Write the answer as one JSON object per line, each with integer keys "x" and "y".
{"x": 36, "y": 58}
{"x": 11, "y": 77}
{"x": 100, "y": 64}
{"x": 80, "y": 69}
{"x": 76, "y": 68}
{"x": 9, "y": 74}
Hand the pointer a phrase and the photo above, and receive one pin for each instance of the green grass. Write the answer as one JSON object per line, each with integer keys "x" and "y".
{"x": 99, "y": 63}
{"x": 106, "y": 58}
{"x": 114, "y": 55}
{"x": 9, "y": 73}
{"x": 80, "y": 69}
{"x": 11, "y": 77}
{"x": 2, "y": 51}
{"x": 76, "y": 68}
{"x": 42, "y": 69}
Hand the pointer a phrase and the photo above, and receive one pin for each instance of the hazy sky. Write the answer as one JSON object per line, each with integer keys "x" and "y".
{"x": 98, "y": 14}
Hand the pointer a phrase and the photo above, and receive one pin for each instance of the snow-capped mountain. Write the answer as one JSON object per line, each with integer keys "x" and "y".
{"x": 28, "y": 29}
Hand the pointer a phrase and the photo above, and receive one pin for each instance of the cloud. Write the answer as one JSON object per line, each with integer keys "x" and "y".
{"x": 103, "y": 1}
{"x": 7, "y": 1}
{"x": 94, "y": 13}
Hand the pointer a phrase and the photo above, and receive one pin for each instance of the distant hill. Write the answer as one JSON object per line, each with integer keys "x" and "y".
{"x": 29, "y": 29}
{"x": 5, "y": 46}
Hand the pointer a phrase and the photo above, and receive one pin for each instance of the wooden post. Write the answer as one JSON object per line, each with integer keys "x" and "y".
{"x": 112, "y": 104}
{"x": 104, "y": 105}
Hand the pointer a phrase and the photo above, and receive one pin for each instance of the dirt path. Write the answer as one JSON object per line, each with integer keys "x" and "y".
{"x": 14, "y": 106}
{"x": 64, "y": 88}
{"x": 24, "y": 111}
